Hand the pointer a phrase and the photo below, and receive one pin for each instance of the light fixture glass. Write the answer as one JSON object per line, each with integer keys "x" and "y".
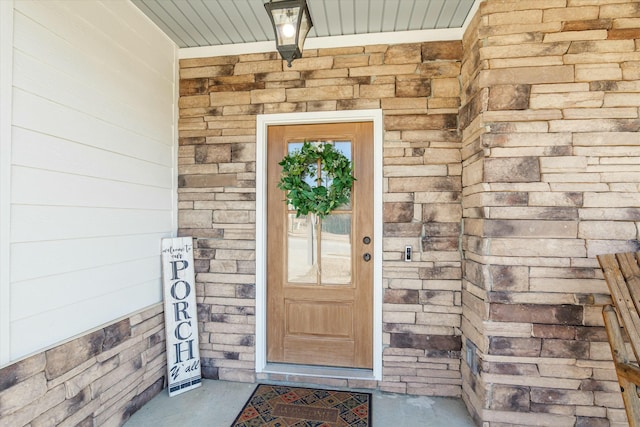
{"x": 291, "y": 24}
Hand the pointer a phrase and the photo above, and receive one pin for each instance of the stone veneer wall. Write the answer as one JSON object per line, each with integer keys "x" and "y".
{"x": 99, "y": 379}
{"x": 551, "y": 90}
{"x": 417, "y": 87}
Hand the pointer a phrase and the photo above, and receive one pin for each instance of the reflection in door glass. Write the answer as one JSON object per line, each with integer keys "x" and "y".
{"x": 343, "y": 147}
{"x": 302, "y": 250}
{"x": 312, "y": 179}
{"x": 335, "y": 248}
{"x": 333, "y": 267}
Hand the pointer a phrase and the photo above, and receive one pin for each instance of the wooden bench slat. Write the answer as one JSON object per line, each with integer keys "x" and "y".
{"x": 622, "y": 273}
{"x": 622, "y": 298}
{"x": 631, "y": 273}
{"x": 630, "y": 372}
{"x": 624, "y": 370}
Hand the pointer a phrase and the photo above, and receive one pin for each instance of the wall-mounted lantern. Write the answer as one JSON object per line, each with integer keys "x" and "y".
{"x": 291, "y": 23}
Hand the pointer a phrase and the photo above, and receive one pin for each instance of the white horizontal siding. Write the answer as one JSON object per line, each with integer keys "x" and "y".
{"x": 32, "y": 297}
{"x": 42, "y": 151}
{"x": 43, "y": 187}
{"x": 88, "y": 254}
{"x": 86, "y": 129}
{"x": 92, "y": 167}
{"x": 6, "y": 90}
{"x": 41, "y": 223}
{"x": 124, "y": 25}
{"x": 71, "y": 89}
{"x": 73, "y": 319}
{"x": 56, "y": 29}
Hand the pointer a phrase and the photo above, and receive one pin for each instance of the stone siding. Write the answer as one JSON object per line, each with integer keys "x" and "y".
{"x": 550, "y": 123}
{"x": 417, "y": 87}
{"x": 99, "y": 379}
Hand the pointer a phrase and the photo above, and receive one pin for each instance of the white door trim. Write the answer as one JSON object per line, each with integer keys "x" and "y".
{"x": 265, "y": 120}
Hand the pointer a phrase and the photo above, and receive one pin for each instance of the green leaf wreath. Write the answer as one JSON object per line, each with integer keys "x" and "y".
{"x": 302, "y": 164}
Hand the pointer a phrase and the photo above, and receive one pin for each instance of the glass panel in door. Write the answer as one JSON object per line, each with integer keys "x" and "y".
{"x": 319, "y": 249}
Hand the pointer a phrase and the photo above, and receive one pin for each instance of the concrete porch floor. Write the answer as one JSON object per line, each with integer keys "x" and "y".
{"x": 217, "y": 403}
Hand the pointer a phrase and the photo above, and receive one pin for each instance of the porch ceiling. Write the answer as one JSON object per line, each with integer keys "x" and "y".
{"x": 193, "y": 23}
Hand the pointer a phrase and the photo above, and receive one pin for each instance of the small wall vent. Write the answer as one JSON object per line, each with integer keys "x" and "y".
{"x": 472, "y": 357}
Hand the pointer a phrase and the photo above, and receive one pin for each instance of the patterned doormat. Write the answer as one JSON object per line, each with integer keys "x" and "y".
{"x": 283, "y": 406}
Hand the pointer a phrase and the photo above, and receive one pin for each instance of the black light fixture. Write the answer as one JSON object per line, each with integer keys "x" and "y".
{"x": 291, "y": 23}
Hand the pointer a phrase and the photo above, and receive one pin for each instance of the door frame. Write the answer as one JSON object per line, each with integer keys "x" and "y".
{"x": 263, "y": 122}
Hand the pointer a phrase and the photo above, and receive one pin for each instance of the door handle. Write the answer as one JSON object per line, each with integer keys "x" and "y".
{"x": 366, "y": 240}
{"x": 367, "y": 257}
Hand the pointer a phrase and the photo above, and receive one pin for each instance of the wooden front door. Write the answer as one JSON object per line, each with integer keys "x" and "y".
{"x": 320, "y": 271}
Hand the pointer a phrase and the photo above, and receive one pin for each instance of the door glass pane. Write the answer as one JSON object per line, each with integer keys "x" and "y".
{"x": 335, "y": 249}
{"x": 343, "y": 147}
{"x": 333, "y": 267}
{"x": 313, "y": 177}
{"x": 302, "y": 250}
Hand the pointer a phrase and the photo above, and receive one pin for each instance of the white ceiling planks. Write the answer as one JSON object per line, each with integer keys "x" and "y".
{"x": 194, "y": 23}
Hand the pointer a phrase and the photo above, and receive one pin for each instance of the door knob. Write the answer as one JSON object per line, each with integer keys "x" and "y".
{"x": 366, "y": 240}
{"x": 367, "y": 257}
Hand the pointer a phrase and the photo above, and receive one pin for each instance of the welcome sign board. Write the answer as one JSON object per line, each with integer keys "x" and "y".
{"x": 180, "y": 315}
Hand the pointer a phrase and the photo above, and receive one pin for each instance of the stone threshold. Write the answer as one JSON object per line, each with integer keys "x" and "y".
{"x": 319, "y": 371}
